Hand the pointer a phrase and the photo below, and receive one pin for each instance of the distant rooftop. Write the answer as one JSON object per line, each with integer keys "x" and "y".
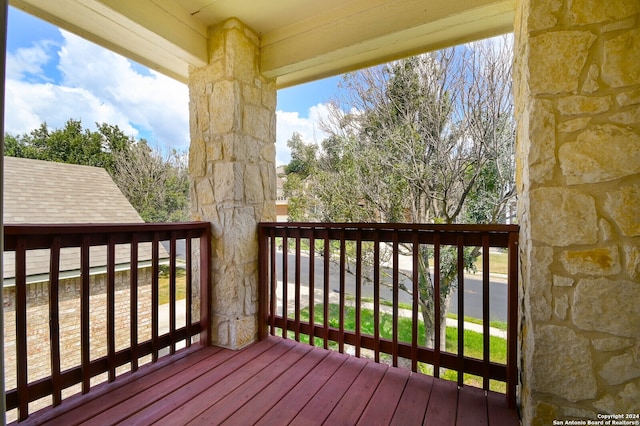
{"x": 47, "y": 192}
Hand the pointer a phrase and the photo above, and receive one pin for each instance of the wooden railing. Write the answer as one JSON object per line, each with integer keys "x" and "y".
{"x": 22, "y": 241}
{"x": 341, "y": 255}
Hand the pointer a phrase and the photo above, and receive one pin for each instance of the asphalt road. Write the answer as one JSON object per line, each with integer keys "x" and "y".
{"x": 472, "y": 287}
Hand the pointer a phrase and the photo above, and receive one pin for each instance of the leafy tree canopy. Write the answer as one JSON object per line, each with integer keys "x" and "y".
{"x": 156, "y": 185}
{"x": 428, "y": 139}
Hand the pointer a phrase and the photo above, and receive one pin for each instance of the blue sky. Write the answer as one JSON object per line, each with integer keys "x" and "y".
{"x": 53, "y": 75}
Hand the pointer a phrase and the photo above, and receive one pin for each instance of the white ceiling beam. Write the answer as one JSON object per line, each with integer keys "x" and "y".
{"x": 376, "y": 31}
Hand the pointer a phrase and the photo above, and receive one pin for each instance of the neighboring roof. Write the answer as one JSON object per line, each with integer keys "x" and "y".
{"x": 46, "y": 192}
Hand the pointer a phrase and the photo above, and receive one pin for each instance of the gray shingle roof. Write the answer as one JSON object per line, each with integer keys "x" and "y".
{"x": 44, "y": 192}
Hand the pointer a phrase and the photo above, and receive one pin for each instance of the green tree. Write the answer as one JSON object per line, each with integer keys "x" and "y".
{"x": 303, "y": 156}
{"x": 156, "y": 186}
{"x": 429, "y": 139}
{"x": 71, "y": 144}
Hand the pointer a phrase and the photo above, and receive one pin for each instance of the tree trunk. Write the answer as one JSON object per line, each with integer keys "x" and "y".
{"x": 427, "y": 300}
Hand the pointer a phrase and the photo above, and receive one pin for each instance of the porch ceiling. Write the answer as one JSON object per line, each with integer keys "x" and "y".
{"x": 301, "y": 40}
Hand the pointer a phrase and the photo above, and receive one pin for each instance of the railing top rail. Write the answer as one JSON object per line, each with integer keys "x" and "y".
{"x": 456, "y": 227}
{"x": 99, "y": 228}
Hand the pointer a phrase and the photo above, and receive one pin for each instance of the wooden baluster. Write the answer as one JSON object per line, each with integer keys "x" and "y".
{"x": 188, "y": 282}
{"x": 485, "y": 312}
{"x": 21, "y": 328}
{"x": 312, "y": 302}
{"x": 416, "y": 294}
{"x": 111, "y": 308}
{"x": 327, "y": 260}
{"x": 460, "y": 246}
{"x": 285, "y": 285}
{"x": 342, "y": 291}
{"x": 155, "y": 270}
{"x": 512, "y": 315}
{"x": 133, "y": 302}
{"x": 205, "y": 278}
{"x": 396, "y": 299}
{"x": 436, "y": 303}
{"x": 85, "y": 317}
{"x": 274, "y": 282}
{"x": 376, "y": 295}
{"x": 358, "y": 290}
{"x": 297, "y": 288}
{"x": 54, "y": 320}
{"x": 172, "y": 293}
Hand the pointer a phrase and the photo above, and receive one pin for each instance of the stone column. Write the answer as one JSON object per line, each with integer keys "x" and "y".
{"x": 232, "y": 169}
{"x": 577, "y": 79}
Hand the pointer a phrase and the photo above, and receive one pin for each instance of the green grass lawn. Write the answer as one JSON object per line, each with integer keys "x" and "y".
{"x": 163, "y": 283}
{"x": 500, "y": 325}
{"x": 473, "y": 342}
{"x": 498, "y": 263}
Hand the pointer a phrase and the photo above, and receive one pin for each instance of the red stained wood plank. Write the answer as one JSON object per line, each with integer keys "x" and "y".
{"x": 472, "y": 407}
{"x": 499, "y": 413}
{"x": 319, "y": 407}
{"x": 279, "y": 390}
{"x": 176, "y": 396}
{"x": 385, "y": 399}
{"x": 287, "y": 407}
{"x": 231, "y": 406}
{"x": 80, "y": 408}
{"x": 443, "y": 404}
{"x": 414, "y": 400}
{"x": 274, "y": 382}
{"x": 348, "y": 411}
{"x": 143, "y": 399}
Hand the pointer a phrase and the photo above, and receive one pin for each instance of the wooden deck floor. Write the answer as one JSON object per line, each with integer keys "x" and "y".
{"x": 277, "y": 382}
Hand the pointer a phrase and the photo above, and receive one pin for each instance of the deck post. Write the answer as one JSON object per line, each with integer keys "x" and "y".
{"x": 232, "y": 170}
{"x": 4, "y": 6}
{"x": 577, "y": 97}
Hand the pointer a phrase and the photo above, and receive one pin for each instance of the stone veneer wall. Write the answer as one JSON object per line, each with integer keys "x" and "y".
{"x": 39, "y": 361}
{"x": 577, "y": 77}
{"x": 232, "y": 169}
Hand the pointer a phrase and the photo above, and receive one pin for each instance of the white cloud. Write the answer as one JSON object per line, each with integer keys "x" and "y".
{"x": 97, "y": 86}
{"x": 29, "y": 105}
{"x": 308, "y": 128}
{"x": 153, "y": 102}
{"x": 28, "y": 60}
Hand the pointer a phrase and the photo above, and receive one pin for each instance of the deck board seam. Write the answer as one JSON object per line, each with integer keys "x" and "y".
{"x": 310, "y": 373}
{"x": 226, "y": 373}
{"x": 290, "y": 363}
{"x": 79, "y": 402}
